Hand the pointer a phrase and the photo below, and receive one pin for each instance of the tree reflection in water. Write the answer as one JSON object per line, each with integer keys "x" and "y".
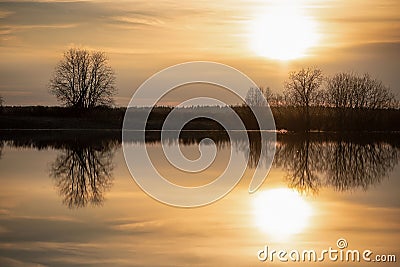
{"x": 83, "y": 169}
{"x": 302, "y": 161}
{"x": 1, "y": 147}
{"x": 358, "y": 165}
{"x": 83, "y": 174}
{"x": 341, "y": 163}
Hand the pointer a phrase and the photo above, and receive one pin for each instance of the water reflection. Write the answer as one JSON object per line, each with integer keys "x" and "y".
{"x": 83, "y": 169}
{"x": 301, "y": 161}
{"x": 334, "y": 161}
{"x": 83, "y": 174}
{"x": 358, "y": 165}
{"x": 281, "y": 212}
{"x": 33, "y": 219}
{"x": 1, "y": 148}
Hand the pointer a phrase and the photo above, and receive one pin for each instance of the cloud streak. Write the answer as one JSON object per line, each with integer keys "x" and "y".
{"x": 142, "y": 37}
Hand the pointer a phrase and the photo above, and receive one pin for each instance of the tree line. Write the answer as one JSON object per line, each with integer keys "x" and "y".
{"x": 345, "y": 98}
{"x": 309, "y": 87}
{"x": 84, "y": 81}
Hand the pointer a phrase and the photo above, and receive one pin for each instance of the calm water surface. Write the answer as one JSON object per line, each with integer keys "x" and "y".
{"x": 73, "y": 203}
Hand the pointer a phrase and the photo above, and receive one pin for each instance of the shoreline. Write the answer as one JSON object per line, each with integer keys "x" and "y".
{"x": 290, "y": 119}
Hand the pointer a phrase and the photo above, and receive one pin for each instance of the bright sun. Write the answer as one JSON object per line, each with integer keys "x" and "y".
{"x": 282, "y": 33}
{"x": 281, "y": 212}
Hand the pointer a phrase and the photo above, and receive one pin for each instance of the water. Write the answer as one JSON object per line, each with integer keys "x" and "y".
{"x": 67, "y": 199}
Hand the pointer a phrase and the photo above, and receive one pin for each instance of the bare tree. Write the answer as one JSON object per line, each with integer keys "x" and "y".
{"x": 354, "y": 96}
{"x": 83, "y": 79}
{"x": 303, "y": 90}
{"x": 350, "y": 90}
{"x": 277, "y": 100}
{"x": 255, "y": 97}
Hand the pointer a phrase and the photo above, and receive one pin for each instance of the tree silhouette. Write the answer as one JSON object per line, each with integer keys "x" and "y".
{"x": 303, "y": 90}
{"x": 352, "y": 96}
{"x": 256, "y": 97}
{"x": 83, "y": 174}
{"x": 83, "y": 79}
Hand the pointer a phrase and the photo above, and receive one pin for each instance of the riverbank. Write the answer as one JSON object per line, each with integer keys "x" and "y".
{"x": 288, "y": 118}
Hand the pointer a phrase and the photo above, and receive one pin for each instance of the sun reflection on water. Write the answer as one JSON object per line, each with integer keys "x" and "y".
{"x": 281, "y": 212}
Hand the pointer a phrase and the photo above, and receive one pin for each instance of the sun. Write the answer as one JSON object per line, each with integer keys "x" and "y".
{"x": 281, "y": 212}
{"x": 282, "y": 33}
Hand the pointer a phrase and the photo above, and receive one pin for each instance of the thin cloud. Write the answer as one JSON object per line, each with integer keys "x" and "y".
{"x": 128, "y": 21}
{"x": 15, "y": 28}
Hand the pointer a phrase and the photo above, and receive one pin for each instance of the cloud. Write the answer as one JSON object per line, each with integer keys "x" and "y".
{"x": 44, "y": 24}
{"x": 135, "y": 21}
{"x": 5, "y": 261}
{"x": 8, "y": 29}
{"x": 39, "y": 15}
{"x": 144, "y": 36}
{"x": 141, "y": 227}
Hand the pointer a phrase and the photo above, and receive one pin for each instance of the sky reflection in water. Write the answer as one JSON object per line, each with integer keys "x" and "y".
{"x": 66, "y": 203}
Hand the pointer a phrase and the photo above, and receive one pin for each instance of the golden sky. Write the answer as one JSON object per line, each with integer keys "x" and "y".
{"x": 263, "y": 39}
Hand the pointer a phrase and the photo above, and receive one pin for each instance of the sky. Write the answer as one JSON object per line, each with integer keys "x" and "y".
{"x": 263, "y": 39}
